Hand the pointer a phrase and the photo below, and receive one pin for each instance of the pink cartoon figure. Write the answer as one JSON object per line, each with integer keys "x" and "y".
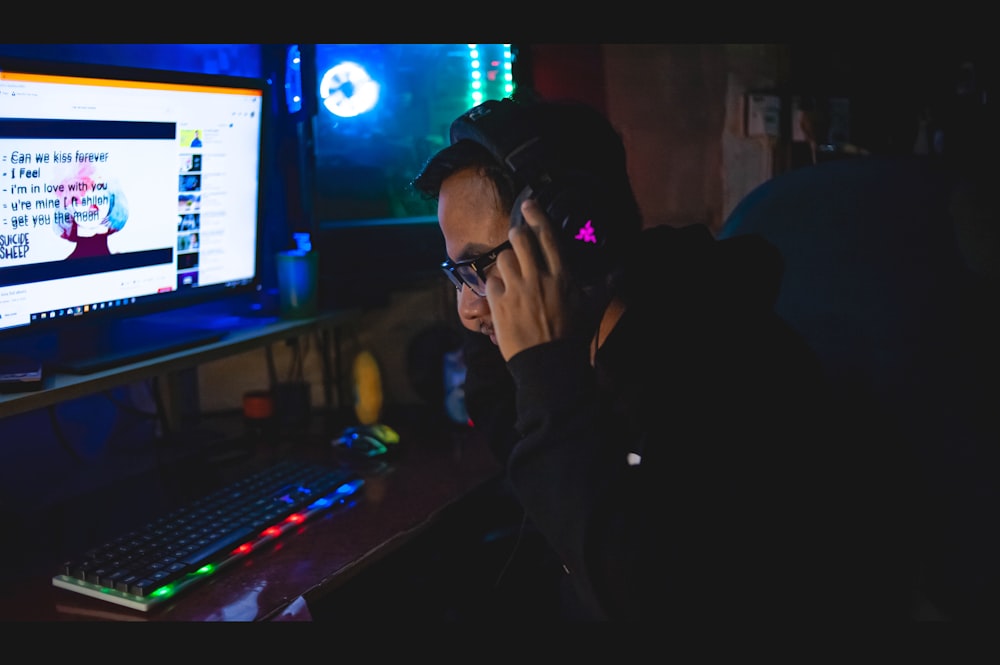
{"x": 92, "y": 209}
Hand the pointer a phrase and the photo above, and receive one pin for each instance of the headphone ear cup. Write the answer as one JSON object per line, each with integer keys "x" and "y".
{"x": 573, "y": 199}
{"x": 577, "y": 209}
{"x": 575, "y": 205}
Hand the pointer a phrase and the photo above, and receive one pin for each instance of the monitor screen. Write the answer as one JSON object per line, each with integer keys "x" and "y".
{"x": 124, "y": 190}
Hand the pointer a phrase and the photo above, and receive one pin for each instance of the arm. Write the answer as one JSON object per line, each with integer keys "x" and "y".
{"x": 575, "y": 486}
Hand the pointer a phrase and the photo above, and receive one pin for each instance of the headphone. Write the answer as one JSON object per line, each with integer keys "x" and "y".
{"x": 571, "y": 196}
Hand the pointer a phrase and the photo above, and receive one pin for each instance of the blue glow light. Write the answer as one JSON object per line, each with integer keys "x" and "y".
{"x": 349, "y": 488}
{"x": 348, "y": 90}
{"x": 293, "y": 79}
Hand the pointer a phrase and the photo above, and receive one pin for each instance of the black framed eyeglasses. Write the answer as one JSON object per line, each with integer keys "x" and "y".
{"x": 472, "y": 272}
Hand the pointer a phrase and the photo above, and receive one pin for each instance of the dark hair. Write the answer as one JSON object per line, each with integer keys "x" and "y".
{"x": 581, "y": 139}
{"x": 462, "y": 155}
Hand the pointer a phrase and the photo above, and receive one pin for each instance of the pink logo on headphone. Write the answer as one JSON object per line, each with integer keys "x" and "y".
{"x": 586, "y": 233}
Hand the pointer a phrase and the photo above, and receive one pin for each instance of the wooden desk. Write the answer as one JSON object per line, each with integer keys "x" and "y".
{"x": 430, "y": 473}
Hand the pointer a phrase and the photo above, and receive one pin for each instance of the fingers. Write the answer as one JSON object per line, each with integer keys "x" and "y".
{"x": 535, "y": 257}
{"x": 537, "y": 238}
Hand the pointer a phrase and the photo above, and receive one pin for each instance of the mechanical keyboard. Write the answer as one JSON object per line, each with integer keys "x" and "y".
{"x": 147, "y": 566}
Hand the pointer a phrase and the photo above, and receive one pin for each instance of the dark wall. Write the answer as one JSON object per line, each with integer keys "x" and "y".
{"x": 570, "y": 71}
{"x": 893, "y": 87}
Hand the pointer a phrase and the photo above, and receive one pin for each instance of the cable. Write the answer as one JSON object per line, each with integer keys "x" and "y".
{"x": 330, "y": 382}
{"x": 513, "y": 551}
{"x": 344, "y": 391}
{"x": 300, "y": 351}
{"x": 295, "y": 366}
{"x": 272, "y": 374}
{"x": 165, "y": 429}
{"x": 125, "y": 426}
{"x": 60, "y": 435}
{"x": 128, "y": 406}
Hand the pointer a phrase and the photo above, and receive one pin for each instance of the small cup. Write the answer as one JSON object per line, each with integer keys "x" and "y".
{"x": 298, "y": 278}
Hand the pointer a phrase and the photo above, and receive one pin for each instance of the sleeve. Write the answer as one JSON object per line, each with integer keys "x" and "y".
{"x": 573, "y": 485}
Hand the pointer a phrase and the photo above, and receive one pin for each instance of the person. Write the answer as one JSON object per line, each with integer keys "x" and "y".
{"x": 662, "y": 428}
{"x": 196, "y": 140}
{"x": 94, "y": 208}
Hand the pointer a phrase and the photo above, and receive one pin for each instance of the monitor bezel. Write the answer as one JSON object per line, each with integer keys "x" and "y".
{"x": 178, "y": 298}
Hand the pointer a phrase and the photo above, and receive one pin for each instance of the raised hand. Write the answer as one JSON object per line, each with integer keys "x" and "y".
{"x": 528, "y": 288}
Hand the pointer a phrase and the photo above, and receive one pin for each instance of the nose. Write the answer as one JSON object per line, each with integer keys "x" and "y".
{"x": 470, "y": 305}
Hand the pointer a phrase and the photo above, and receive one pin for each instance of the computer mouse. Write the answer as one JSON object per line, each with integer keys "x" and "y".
{"x": 367, "y": 440}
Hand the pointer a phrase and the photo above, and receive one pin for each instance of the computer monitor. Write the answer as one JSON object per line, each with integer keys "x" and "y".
{"x": 124, "y": 192}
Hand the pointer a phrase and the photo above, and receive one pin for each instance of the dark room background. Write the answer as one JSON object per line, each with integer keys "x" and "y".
{"x": 683, "y": 112}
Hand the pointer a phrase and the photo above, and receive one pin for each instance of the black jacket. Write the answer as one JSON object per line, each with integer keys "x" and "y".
{"x": 741, "y": 505}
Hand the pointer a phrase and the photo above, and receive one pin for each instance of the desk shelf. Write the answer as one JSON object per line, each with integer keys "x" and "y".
{"x": 60, "y": 386}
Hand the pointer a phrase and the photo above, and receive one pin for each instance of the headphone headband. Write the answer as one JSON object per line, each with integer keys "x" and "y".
{"x": 538, "y": 147}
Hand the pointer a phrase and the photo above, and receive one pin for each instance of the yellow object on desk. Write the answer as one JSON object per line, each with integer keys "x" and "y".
{"x": 367, "y": 388}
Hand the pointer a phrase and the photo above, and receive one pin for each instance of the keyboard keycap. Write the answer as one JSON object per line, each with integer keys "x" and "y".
{"x": 170, "y": 547}
{"x": 230, "y": 539}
